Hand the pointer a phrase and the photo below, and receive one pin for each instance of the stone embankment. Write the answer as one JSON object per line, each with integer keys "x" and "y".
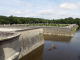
{"x": 63, "y": 31}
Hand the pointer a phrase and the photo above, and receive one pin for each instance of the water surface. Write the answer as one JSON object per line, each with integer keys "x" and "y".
{"x": 68, "y": 48}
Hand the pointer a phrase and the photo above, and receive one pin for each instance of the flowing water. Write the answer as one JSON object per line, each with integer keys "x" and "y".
{"x": 68, "y": 48}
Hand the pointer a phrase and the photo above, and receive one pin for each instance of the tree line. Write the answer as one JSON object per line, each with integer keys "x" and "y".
{"x": 23, "y": 20}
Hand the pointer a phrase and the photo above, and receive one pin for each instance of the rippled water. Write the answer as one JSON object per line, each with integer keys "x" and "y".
{"x": 68, "y": 48}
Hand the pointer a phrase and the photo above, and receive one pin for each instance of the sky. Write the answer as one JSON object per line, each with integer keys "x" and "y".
{"x": 47, "y": 9}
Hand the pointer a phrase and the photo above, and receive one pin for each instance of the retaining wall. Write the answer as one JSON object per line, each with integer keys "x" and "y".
{"x": 57, "y": 31}
{"x": 64, "y": 31}
{"x": 30, "y": 40}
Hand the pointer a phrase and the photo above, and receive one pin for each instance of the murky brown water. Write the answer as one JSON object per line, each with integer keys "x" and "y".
{"x": 57, "y": 38}
{"x": 37, "y": 54}
{"x": 68, "y": 48}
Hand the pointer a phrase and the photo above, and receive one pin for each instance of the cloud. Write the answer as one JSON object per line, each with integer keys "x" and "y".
{"x": 24, "y": 3}
{"x": 45, "y": 12}
{"x": 48, "y": 9}
{"x": 50, "y": 14}
{"x": 63, "y": 14}
{"x": 19, "y": 12}
{"x": 68, "y": 6}
{"x": 1, "y": 12}
{"x": 78, "y": 3}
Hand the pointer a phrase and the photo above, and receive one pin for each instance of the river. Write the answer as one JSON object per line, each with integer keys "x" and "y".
{"x": 68, "y": 48}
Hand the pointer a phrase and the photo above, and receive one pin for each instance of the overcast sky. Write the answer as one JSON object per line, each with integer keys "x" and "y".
{"x": 48, "y": 9}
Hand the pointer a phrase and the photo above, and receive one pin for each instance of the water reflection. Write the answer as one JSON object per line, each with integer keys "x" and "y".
{"x": 67, "y": 48}
{"x": 64, "y": 51}
{"x": 78, "y": 28}
{"x": 57, "y": 38}
{"x": 79, "y": 57}
{"x": 60, "y": 55}
{"x": 37, "y": 54}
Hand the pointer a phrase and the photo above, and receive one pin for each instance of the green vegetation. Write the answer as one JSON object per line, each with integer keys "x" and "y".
{"x": 22, "y": 20}
{"x": 74, "y": 29}
{"x": 59, "y": 25}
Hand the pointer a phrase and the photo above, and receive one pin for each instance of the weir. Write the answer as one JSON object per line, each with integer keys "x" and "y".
{"x": 17, "y": 41}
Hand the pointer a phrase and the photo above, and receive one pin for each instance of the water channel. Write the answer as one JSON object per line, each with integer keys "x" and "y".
{"x": 68, "y": 48}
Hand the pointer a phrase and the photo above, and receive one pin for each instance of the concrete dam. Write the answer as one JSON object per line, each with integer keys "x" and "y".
{"x": 18, "y": 41}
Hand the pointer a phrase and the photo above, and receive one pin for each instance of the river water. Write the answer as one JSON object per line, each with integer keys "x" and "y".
{"x": 68, "y": 48}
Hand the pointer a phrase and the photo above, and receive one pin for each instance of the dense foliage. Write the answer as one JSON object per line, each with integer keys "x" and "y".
{"x": 22, "y": 20}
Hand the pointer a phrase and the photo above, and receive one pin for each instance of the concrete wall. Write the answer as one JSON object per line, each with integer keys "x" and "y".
{"x": 9, "y": 47}
{"x": 30, "y": 40}
{"x": 13, "y": 46}
{"x": 57, "y": 31}
{"x": 64, "y": 31}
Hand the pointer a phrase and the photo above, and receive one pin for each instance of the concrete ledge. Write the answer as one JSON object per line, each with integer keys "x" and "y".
{"x": 14, "y": 56}
{"x": 9, "y": 37}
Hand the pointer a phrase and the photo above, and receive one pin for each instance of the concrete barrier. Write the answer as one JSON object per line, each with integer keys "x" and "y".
{"x": 30, "y": 40}
{"x": 9, "y": 46}
{"x": 20, "y": 42}
{"x": 63, "y": 31}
